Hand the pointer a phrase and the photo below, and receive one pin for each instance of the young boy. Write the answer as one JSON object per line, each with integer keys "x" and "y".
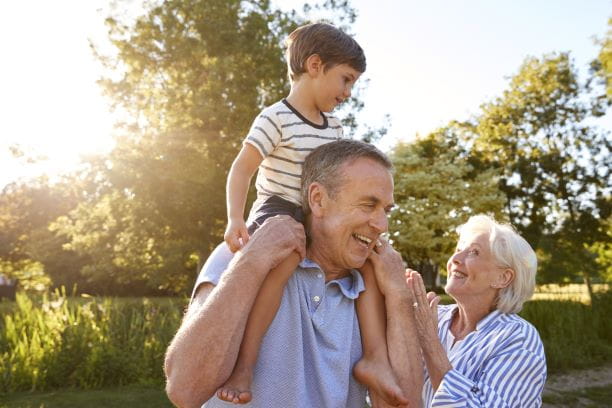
{"x": 323, "y": 64}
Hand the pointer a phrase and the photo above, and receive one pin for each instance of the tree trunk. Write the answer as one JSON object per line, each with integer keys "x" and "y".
{"x": 587, "y": 282}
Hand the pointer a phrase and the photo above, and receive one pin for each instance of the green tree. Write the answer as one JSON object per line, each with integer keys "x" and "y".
{"x": 603, "y": 64}
{"x": 190, "y": 76}
{"x": 555, "y": 165}
{"x": 28, "y": 249}
{"x": 437, "y": 189}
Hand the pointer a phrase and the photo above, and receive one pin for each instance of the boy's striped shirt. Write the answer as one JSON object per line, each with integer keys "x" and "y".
{"x": 284, "y": 138}
{"x": 500, "y": 364}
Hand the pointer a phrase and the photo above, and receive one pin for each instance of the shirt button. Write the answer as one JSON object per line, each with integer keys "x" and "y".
{"x": 319, "y": 275}
{"x": 475, "y": 389}
{"x": 316, "y": 299}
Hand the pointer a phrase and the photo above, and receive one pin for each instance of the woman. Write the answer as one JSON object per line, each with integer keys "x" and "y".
{"x": 479, "y": 352}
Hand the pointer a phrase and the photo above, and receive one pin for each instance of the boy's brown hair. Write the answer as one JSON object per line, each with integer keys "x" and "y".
{"x": 331, "y": 44}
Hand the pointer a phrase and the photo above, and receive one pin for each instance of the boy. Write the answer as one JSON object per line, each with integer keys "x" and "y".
{"x": 323, "y": 63}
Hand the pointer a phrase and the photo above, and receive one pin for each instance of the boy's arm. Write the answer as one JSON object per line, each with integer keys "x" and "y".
{"x": 238, "y": 181}
{"x": 203, "y": 352}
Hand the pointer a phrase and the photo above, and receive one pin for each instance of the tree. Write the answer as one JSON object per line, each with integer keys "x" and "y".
{"x": 602, "y": 66}
{"x": 437, "y": 188}
{"x": 555, "y": 165}
{"x": 28, "y": 250}
{"x": 190, "y": 75}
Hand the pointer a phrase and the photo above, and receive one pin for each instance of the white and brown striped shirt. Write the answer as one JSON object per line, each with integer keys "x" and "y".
{"x": 284, "y": 138}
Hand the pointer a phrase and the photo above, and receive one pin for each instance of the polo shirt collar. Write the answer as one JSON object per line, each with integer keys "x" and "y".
{"x": 350, "y": 286}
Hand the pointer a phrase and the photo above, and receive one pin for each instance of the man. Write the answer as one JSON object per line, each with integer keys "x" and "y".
{"x": 306, "y": 358}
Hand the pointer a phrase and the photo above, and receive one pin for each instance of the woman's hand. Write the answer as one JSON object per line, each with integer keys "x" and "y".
{"x": 425, "y": 307}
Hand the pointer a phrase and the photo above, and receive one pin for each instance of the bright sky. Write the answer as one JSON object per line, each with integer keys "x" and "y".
{"x": 429, "y": 62}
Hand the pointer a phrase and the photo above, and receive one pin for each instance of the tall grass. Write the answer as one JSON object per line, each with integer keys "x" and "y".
{"x": 97, "y": 342}
{"x": 575, "y": 335}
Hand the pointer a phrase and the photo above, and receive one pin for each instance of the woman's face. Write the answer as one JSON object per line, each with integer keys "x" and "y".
{"x": 472, "y": 271}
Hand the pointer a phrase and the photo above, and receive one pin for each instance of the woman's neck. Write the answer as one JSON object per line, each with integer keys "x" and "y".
{"x": 466, "y": 319}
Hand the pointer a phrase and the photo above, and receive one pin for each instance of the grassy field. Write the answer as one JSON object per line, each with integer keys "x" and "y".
{"x": 573, "y": 291}
{"x": 133, "y": 397}
{"x": 88, "y": 347}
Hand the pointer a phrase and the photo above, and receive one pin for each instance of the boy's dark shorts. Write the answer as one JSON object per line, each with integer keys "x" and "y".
{"x": 272, "y": 206}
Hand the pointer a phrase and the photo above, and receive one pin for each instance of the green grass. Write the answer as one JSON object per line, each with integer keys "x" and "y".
{"x": 133, "y": 397}
{"x": 592, "y": 397}
{"x": 86, "y": 343}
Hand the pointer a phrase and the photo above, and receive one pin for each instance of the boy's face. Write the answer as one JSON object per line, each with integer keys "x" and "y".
{"x": 333, "y": 86}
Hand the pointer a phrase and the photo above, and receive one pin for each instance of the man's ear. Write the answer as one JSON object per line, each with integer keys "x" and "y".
{"x": 313, "y": 65}
{"x": 317, "y": 196}
{"x": 504, "y": 278}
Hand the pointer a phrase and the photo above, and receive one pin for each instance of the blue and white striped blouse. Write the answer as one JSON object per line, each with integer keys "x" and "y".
{"x": 500, "y": 364}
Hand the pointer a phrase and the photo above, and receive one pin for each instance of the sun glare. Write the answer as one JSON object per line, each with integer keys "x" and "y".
{"x": 53, "y": 110}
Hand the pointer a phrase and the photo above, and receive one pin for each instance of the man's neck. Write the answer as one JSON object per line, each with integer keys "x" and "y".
{"x": 331, "y": 270}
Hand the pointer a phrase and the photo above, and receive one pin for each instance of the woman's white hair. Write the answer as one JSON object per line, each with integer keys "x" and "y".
{"x": 509, "y": 250}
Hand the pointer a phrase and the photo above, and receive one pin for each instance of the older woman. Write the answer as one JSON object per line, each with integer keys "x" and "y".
{"x": 479, "y": 352}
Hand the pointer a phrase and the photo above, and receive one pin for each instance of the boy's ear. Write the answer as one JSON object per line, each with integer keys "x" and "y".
{"x": 317, "y": 196}
{"x": 313, "y": 65}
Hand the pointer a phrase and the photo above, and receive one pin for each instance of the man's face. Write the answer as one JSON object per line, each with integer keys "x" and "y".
{"x": 352, "y": 220}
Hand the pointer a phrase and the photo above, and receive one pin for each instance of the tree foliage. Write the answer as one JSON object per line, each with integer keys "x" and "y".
{"x": 603, "y": 64}
{"x": 555, "y": 164}
{"x": 190, "y": 77}
{"x": 436, "y": 190}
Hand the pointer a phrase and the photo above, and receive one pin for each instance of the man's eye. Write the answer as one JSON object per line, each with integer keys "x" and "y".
{"x": 473, "y": 252}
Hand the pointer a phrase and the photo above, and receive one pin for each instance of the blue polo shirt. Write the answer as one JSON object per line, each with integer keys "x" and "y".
{"x": 307, "y": 355}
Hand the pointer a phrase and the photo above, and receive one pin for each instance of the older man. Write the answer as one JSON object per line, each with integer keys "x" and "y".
{"x": 307, "y": 355}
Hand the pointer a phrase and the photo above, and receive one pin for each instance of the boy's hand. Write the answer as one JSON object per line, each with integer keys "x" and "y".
{"x": 236, "y": 234}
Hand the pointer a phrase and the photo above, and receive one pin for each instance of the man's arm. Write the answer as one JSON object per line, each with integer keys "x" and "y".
{"x": 402, "y": 341}
{"x": 203, "y": 352}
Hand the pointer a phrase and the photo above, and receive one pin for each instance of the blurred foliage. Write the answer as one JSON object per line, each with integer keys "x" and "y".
{"x": 191, "y": 76}
{"x": 602, "y": 66}
{"x": 437, "y": 188}
{"x": 29, "y": 274}
{"x": 555, "y": 164}
{"x": 575, "y": 335}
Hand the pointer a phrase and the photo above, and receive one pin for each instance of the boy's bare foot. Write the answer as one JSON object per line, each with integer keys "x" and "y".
{"x": 379, "y": 379}
{"x": 237, "y": 388}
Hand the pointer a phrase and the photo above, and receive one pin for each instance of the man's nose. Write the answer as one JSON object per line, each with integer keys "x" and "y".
{"x": 379, "y": 221}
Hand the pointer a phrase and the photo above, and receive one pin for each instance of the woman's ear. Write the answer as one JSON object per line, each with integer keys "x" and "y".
{"x": 313, "y": 65}
{"x": 317, "y": 196}
{"x": 504, "y": 278}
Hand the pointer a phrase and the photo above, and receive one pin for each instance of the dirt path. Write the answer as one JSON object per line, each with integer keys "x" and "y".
{"x": 559, "y": 386}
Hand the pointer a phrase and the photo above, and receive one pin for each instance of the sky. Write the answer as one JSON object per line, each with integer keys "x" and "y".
{"x": 429, "y": 62}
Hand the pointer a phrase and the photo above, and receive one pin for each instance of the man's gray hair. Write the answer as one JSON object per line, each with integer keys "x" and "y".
{"x": 509, "y": 250}
{"x": 323, "y": 165}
